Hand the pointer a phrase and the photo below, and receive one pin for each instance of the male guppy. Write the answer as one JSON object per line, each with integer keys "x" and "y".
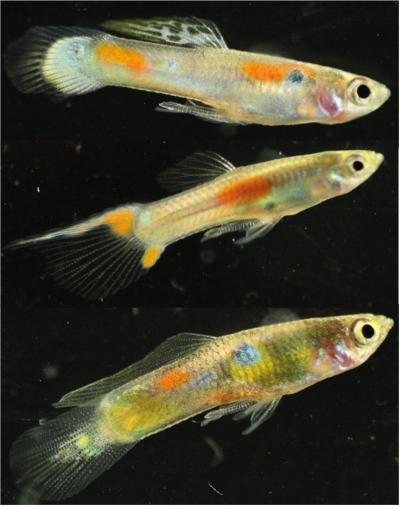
{"x": 188, "y": 57}
{"x": 245, "y": 374}
{"x": 105, "y": 253}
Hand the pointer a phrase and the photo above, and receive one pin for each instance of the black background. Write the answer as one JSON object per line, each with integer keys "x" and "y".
{"x": 65, "y": 161}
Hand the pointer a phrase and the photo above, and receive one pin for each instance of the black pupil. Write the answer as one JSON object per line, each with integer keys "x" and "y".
{"x": 357, "y": 165}
{"x": 363, "y": 91}
{"x": 295, "y": 76}
{"x": 368, "y": 331}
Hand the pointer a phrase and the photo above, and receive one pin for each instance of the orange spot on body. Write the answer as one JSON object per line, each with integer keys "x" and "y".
{"x": 270, "y": 72}
{"x": 225, "y": 397}
{"x": 119, "y": 55}
{"x": 121, "y": 221}
{"x": 150, "y": 257}
{"x": 172, "y": 379}
{"x": 244, "y": 191}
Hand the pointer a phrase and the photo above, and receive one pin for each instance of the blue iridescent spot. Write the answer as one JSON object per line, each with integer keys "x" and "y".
{"x": 247, "y": 354}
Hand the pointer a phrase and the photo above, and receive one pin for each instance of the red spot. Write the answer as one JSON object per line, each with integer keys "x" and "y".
{"x": 246, "y": 191}
{"x": 329, "y": 103}
{"x": 338, "y": 353}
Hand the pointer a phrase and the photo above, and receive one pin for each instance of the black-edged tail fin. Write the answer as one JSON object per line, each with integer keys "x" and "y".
{"x": 62, "y": 456}
{"x": 54, "y": 60}
{"x": 99, "y": 256}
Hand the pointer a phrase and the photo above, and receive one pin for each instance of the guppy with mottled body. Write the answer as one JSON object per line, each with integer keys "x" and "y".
{"x": 188, "y": 57}
{"x": 101, "y": 255}
{"x": 245, "y": 374}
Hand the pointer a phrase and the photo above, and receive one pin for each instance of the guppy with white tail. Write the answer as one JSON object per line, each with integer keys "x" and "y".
{"x": 106, "y": 253}
{"x": 188, "y": 58}
{"x": 245, "y": 374}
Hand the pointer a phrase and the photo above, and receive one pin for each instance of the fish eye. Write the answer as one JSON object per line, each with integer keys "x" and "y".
{"x": 355, "y": 163}
{"x": 359, "y": 91}
{"x": 363, "y": 91}
{"x": 364, "y": 331}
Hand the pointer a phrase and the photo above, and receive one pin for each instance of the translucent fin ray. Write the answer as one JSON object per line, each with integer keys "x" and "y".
{"x": 237, "y": 226}
{"x": 60, "y": 457}
{"x": 258, "y": 413}
{"x": 186, "y": 31}
{"x": 52, "y": 60}
{"x": 229, "y": 409}
{"x": 97, "y": 257}
{"x": 194, "y": 170}
{"x": 200, "y": 111}
{"x": 170, "y": 350}
{"x": 259, "y": 229}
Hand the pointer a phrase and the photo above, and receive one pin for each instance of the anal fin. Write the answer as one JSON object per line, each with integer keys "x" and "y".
{"x": 236, "y": 226}
{"x": 259, "y": 229}
{"x": 191, "y": 107}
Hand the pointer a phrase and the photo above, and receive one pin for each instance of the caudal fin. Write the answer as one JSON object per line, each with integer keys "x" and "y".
{"x": 60, "y": 457}
{"x": 99, "y": 256}
{"x": 53, "y": 60}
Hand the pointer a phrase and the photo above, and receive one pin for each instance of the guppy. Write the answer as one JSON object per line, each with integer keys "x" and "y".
{"x": 107, "y": 252}
{"x": 188, "y": 57}
{"x": 245, "y": 373}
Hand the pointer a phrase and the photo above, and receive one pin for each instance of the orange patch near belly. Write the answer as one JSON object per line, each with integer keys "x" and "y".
{"x": 172, "y": 379}
{"x": 121, "y": 221}
{"x": 118, "y": 55}
{"x": 244, "y": 191}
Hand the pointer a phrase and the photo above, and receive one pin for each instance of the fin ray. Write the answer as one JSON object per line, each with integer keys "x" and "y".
{"x": 204, "y": 112}
{"x": 259, "y": 229}
{"x": 61, "y": 456}
{"x": 236, "y": 226}
{"x": 259, "y": 413}
{"x": 181, "y": 31}
{"x": 99, "y": 256}
{"x": 194, "y": 170}
{"x": 52, "y": 60}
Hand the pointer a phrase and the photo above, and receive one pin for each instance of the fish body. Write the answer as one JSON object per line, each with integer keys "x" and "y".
{"x": 188, "y": 58}
{"x": 245, "y": 373}
{"x": 105, "y": 253}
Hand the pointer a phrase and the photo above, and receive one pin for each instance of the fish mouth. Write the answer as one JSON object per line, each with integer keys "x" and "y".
{"x": 388, "y": 324}
{"x": 378, "y": 159}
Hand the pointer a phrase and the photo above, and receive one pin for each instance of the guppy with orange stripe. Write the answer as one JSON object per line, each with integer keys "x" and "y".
{"x": 246, "y": 374}
{"x": 188, "y": 57}
{"x": 105, "y": 253}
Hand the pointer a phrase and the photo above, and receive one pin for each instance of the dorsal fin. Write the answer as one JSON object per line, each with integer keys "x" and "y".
{"x": 185, "y": 31}
{"x": 194, "y": 170}
{"x": 170, "y": 350}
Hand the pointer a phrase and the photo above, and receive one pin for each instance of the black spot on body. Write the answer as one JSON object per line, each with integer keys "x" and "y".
{"x": 295, "y": 76}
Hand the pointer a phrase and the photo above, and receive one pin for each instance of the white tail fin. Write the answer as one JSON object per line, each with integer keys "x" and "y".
{"x": 99, "y": 256}
{"x": 53, "y": 60}
{"x": 62, "y": 456}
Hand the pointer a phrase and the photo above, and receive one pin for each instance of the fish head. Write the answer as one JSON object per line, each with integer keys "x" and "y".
{"x": 341, "y": 96}
{"x": 348, "y": 341}
{"x": 342, "y": 171}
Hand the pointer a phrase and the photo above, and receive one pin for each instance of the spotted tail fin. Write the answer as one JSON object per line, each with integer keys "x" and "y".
{"x": 60, "y": 457}
{"x": 97, "y": 257}
{"x": 54, "y": 60}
